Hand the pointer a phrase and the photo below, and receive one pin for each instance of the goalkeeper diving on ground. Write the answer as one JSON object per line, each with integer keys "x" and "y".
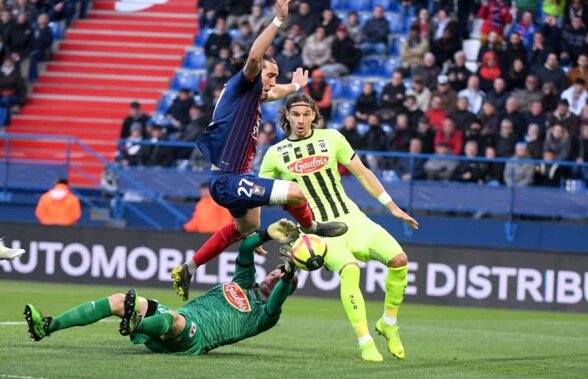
{"x": 226, "y": 314}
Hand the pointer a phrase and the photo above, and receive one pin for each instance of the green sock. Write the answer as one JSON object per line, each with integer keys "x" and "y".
{"x": 352, "y": 300}
{"x": 395, "y": 286}
{"x": 157, "y": 325}
{"x": 84, "y": 314}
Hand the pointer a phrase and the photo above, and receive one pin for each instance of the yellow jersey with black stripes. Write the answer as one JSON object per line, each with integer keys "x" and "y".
{"x": 312, "y": 162}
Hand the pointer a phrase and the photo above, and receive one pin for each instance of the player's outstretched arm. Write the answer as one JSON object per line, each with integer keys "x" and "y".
{"x": 282, "y": 231}
{"x": 370, "y": 182}
{"x": 283, "y": 288}
{"x": 254, "y": 62}
{"x": 280, "y": 91}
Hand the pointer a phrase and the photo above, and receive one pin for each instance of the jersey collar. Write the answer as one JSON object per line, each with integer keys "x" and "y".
{"x": 302, "y": 139}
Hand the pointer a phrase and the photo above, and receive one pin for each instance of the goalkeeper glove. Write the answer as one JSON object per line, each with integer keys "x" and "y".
{"x": 283, "y": 231}
{"x": 289, "y": 265}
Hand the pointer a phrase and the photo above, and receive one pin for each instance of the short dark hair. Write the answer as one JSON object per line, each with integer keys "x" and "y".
{"x": 238, "y": 63}
{"x": 62, "y": 181}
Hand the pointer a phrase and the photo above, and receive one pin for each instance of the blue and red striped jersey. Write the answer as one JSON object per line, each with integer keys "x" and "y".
{"x": 230, "y": 140}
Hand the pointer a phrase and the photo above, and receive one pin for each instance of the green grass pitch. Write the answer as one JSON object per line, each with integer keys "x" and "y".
{"x": 312, "y": 340}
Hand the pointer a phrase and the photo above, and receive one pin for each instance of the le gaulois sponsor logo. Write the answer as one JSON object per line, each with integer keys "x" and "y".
{"x": 236, "y": 297}
{"x": 308, "y": 165}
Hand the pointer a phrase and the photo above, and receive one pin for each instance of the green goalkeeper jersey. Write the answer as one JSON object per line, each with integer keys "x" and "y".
{"x": 312, "y": 163}
{"x": 227, "y": 313}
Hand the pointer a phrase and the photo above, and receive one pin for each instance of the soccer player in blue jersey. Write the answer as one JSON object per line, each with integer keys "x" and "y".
{"x": 230, "y": 142}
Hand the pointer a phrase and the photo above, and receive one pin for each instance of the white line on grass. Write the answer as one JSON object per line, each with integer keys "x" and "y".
{"x": 12, "y": 323}
{"x": 19, "y": 377}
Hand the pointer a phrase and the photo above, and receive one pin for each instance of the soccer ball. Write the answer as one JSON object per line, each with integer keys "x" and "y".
{"x": 309, "y": 252}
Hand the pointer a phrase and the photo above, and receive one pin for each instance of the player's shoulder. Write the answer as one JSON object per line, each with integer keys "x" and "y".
{"x": 327, "y": 134}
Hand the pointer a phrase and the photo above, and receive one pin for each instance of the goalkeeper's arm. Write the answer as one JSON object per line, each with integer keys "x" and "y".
{"x": 285, "y": 286}
{"x": 282, "y": 231}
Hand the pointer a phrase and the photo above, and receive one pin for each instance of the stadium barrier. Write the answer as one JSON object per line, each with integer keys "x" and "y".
{"x": 437, "y": 274}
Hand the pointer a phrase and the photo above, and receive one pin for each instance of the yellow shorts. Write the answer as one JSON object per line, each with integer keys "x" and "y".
{"x": 363, "y": 241}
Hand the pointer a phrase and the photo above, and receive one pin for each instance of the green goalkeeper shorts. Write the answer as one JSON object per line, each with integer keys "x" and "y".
{"x": 365, "y": 240}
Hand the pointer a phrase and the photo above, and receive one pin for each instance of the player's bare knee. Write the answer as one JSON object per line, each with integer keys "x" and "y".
{"x": 399, "y": 260}
{"x": 117, "y": 304}
{"x": 247, "y": 229}
{"x": 295, "y": 195}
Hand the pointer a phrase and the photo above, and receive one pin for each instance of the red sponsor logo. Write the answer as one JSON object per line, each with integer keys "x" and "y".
{"x": 308, "y": 165}
{"x": 236, "y": 297}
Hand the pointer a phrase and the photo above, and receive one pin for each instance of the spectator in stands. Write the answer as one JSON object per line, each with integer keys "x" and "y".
{"x": 549, "y": 98}
{"x": 354, "y": 27}
{"x": 43, "y": 43}
{"x": 498, "y": 94}
{"x": 289, "y": 59}
{"x": 511, "y": 111}
{"x": 224, "y": 58}
{"x": 5, "y": 22}
{"x": 558, "y": 140}
{"x": 552, "y": 33}
{"x": 548, "y": 173}
{"x": 496, "y": 15}
{"x": 403, "y": 165}
{"x": 304, "y": 18}
{"x": 475, "y": 132}
{"x": 59, "y": 206}
{"x": 216, "y": 79}
{"x": 429, "y": 71}
{"x": 208, "y": 216}
{"x": 494, "y": 43}
{"x": 436, "y": 113}
{"x": 445, "y": 47}
{"x": 345, "y": 56}
{"x": 264, "y": 141}
{"x": 447, "y": 95}
{"x": 519, "y": 174}
{"x": 441, "y": 22}
{"x": 13, "y": 89}
{"x": 458, "y": 74}
{"x": 583, "y": 152}
{"x": 19, "y": 42}
{"x": 426, "y": 134}
{"x": 580, "y": 70}
{"x": 473, "y": 94}
{"x": 129, "y": 151}
{"x": 61, "y": 11}
{"x": 494, "y": 171}
{"x": 209, "y": 11}
{"x": 375, "y": 33}
{"x": 424, "y": 24}
{"x": 471, "y": 170}
{"x": 197, "y": 124}
{"x": 392, "y": 97}
{"x": 550, "y": 72}
{"x": 257, "y": 19}
{"x": 155, "y": 154}
{"x": 461, "y": 116}
{"x": 136, "y": 116}
{"x": 367, "y": 103}
{"x": 317, "y": 50}
{"x": 563, "y": 116}
{"x": 573, "y": 40}
{"x": 320, "y": 91}
{"x": 400, "y": 138}
{"x": 514, "y": 50}
{"x": 516, "y": 75}
{"x": 536, "y": 116}
{"x": 421, "y": 93}
{"x": 554, "y": 8}
{"x": 374, "y": 140}
{"x": 178, "y": 112}
{"x": 440, "y": 166}
{"x": 23, "y": 6}
{"x": 349, "y": 131}
{"x": 413, "y": 49}
{"x": 575, "y": 8}
{"x": 329, "y": 21}
{"x": 413, "y": 111}
{"x": 237, "y": 52}
{"x": 537, "y": 53}
{"x": 525, "y": 27}
{"x": 489, "y": 119}
{"x": 489, "y": 71}
{"x": 529, "y": 94}
{"x": 505, "y": 140}
{"x": 534, "y": 141}
{"x": 295, "y": 33}
{"x": 238, "y": 11}
{"x": 246, "y": 36}
{"x": 218, "y": 39}
{"x": 450, "y": 136}
{"x": 576, "y": 95}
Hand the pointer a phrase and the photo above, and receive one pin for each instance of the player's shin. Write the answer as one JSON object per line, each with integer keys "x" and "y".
{"x": 301, "y": 213}
{"x": 158, "y": 325}
{"x": 353, "y": 302}
{"x": 395, "y": 286}
{"x": 216, "y": 244}
{"x": 84, "y": 314}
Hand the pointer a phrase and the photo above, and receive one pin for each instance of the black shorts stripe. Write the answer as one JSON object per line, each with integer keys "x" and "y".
{"x": 315, "y": 197}
{"x": 326, "y": 193}
{"x": 337, "y": 194}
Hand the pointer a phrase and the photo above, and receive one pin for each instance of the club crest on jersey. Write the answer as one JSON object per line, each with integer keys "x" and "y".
{"x": 308, "y": 165}
{"x": 236, "y": 297}
{"x": 322, "y": 145}
{"x": 258, "y": 190}
{"x": 193, "y": 330}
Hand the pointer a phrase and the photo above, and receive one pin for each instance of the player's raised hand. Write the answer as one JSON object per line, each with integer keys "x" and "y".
{"x": 283, "y": 231}
{"x": 300, "y": 76}
{"x": 287, "y": 258}
{"x": 282, "y": 9}
{"x": 399, "y": 213}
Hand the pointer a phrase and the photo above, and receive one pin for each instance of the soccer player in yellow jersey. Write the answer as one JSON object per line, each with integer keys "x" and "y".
{"x": 310, "y": 157}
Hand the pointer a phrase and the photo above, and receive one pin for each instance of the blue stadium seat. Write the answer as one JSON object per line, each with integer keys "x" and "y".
{"x": 234, "y": 33}
{"x": 389, "y": 65}
{"x": 359, "y": 5}
{"x": 379, "y": 86}
{"x": 337, "y": 87}
{"x": 396, "y": 22}
{"x": 353, "y": 88}
{"x": 341, "y": 14}
{"x": 364, "y": 16}
{"x": 185, "y": 79}
{"x": 342, "y": 109}
{"x": 269, "y": 111}
{"x": 334, "y": 125}
{"x": 159, "y": 118}
{"x": 339, "y": 4}
{"x": 165, "y": 101}
{"x": 202, "y": 36}
{"x": 369, "y": 65}
{"x": 395, "y": 43}
{"x": 362, "y": 128}
{"x": 57, "y": 32}
{"x": 194, "y": 59}
{"x": 386, "y": 4}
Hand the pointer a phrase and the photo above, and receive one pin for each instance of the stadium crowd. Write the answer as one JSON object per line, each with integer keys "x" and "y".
{"x": 474, "y": 79}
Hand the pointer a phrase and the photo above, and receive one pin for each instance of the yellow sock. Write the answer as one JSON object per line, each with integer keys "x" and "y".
{"x": 353, "y": 302}
{"x": 395, "y": 286}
